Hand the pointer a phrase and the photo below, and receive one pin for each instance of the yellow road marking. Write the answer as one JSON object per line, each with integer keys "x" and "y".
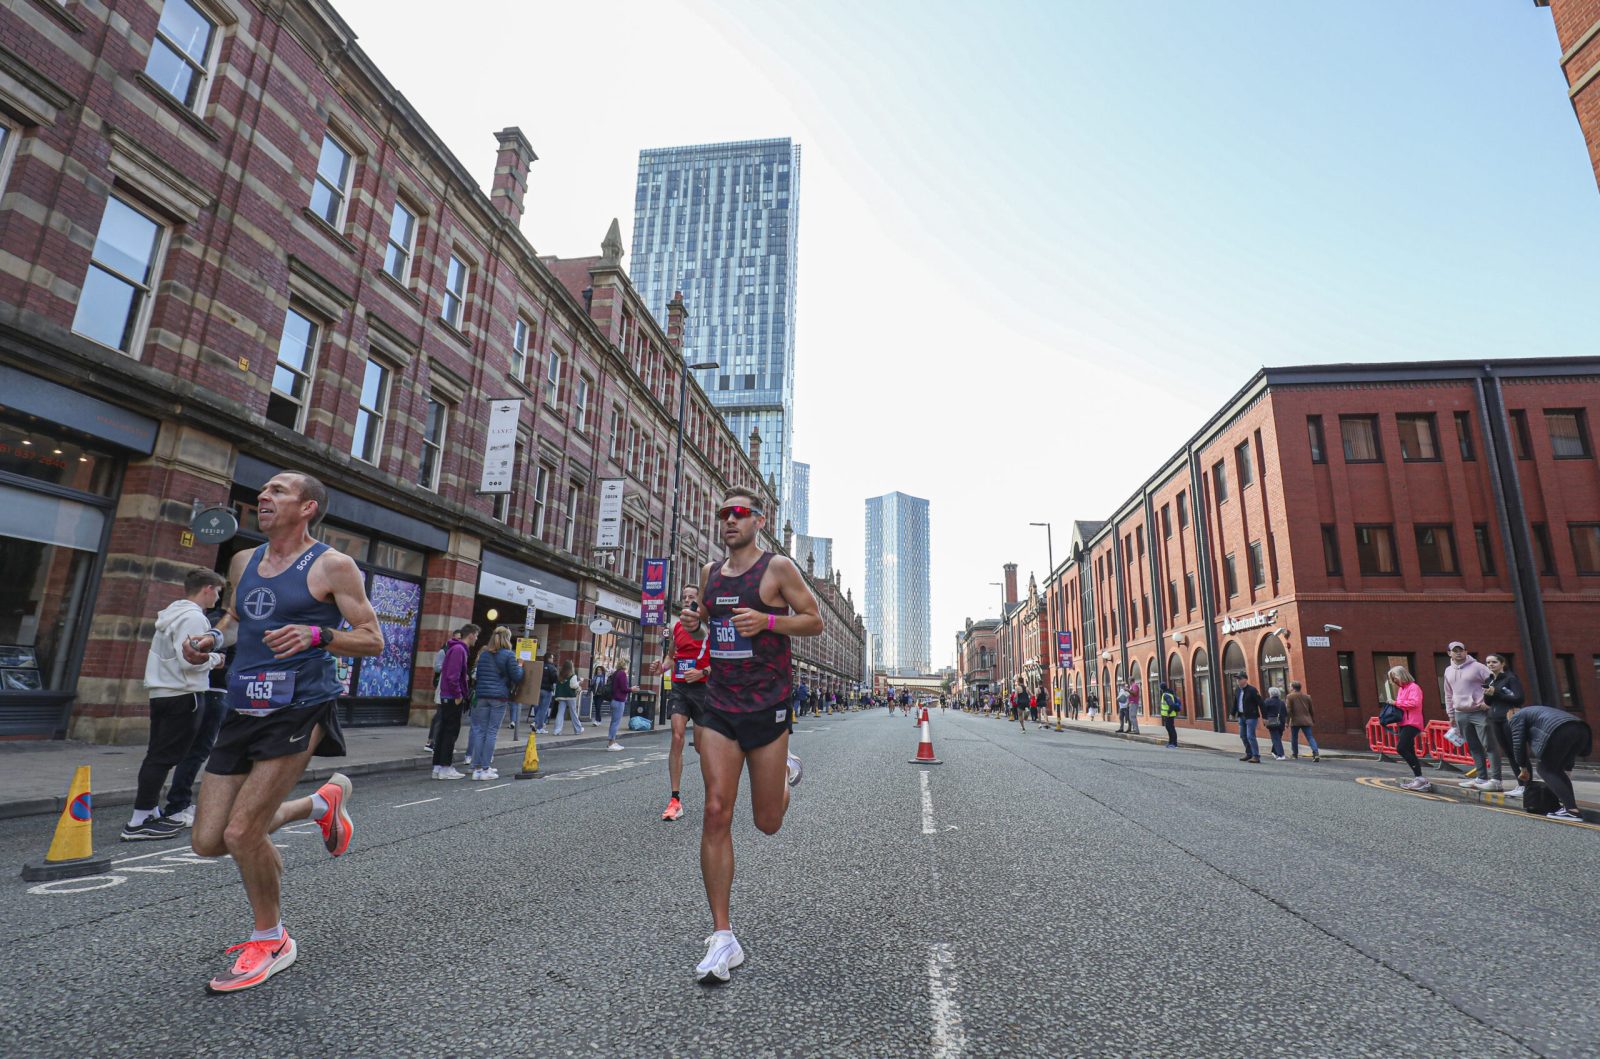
{"x": 1384, "y": 784}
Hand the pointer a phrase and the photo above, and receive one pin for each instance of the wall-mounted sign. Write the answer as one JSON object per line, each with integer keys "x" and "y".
{"x": 653, "y": 597}
{"x": 1318, "y": 641}
{"x": 600, "y": 626}
{"x": 500, "y": 447}
{"x": 1064, "y": 648}
{"x": 1253, "y": 621}
{"x": 526, "y": 594}
{"x": 214, "y": 525}
{"x": 608, "y": 534}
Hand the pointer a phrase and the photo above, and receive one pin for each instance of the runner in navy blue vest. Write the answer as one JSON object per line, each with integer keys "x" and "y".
{"x": 283, "y": 692}
{"x": 755, "y": 601}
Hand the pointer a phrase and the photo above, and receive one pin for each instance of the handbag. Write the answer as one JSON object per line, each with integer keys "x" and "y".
{"x": 1390, "y": 715}
{"x": 1537, "y": 798}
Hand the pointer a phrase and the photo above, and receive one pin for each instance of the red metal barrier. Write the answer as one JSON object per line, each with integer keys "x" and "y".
{"x": 1442, "y": 749}
{"x": 1385, "y": 742}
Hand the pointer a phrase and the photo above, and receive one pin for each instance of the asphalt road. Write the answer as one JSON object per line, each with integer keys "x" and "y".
{"x": 1050, "y": 894}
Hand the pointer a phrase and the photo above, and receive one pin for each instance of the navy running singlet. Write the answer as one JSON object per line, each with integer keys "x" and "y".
{"x": 259, "y": 684}
{"x": 748, "y": 673}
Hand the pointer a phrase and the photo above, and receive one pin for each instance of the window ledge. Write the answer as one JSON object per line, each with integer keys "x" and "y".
{"x": 329, "y": 230}
{"x": 174, "y": 104}
{"x": 455, "y": 332}
{"x": 1579, "y": 456}
{"x": 410, "y": 295}
{"x": 1421, "y": 459}
{"x": 59, "y": 12}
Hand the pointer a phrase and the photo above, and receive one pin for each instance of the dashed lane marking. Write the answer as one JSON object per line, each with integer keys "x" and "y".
{"x": 496, "y": 787}
{"x": 949, "y": 1034}
{"x": 425, "y": 801}
{"x": 927, "y": 806}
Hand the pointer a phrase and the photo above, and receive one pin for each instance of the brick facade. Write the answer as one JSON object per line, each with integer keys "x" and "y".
{"x": 1578, "y": 29}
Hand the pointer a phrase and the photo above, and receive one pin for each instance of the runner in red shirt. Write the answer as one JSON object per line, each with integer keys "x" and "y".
{"x": 755, "y": 600}
{"x": 688, "y": 648}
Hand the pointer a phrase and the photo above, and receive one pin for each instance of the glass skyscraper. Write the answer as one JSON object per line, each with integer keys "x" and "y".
{"x": 799, "y": 498}
{"x": 719, "y": 222}
{"x": 898, "y": 596}
{"x": 819, "y": 549}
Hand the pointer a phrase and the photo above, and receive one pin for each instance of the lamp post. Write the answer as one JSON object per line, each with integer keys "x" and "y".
{"x": 1000, "y": 630}
{"x": 677, "y": 474}
{"x": 1045, "y": 656}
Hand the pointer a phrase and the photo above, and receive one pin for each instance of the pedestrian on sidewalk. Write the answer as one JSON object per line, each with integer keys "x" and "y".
{"x": 1274, "y": 714}
{"x": 1247, "y": 705}
{"x": 177, "y": 690}
{"x": 180, "y": 793}
{"x": 438, "y": 674}
{"x": 620, "y": 689}
{"x": 497, "y": 674}
{"x": 1301, "y": 718}
{"x": 1122, "y": 709}
{"x": 594, "y": 691}
{"x": 568, "y": 685}
{"x": 1502, "y": 694}
{"x": 1094, "y": 705}
{"x": 453, "y": 698}
{"x": 1033, "y": 705}
{"x": 1557, "y": 739}
{"x": 1464, "y": 680}
{"x": 1171, "y": 707}
{"x": 1409, "y": 701}
{"x": 1077, "y": 704}
{"x": 1135, "y": 706}
{"x": 547, "y": 696}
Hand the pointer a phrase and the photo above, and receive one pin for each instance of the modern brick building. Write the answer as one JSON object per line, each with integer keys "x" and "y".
{"x": 1578, "y": 29}
{"x": 1332, "y": 521}
{"x": 228, "y": 245}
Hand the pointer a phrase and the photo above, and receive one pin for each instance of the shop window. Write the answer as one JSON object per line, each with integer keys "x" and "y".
{"x": 1246, "y": 466}
{"x": 1480, "y": 535}
{"x": 433, "y": 435}
{"x": 1569, "y": 433}
{"x": 1464, "y": 436}
{"x": 1202, "y": 683}
{"x": 1319, "y": 449}
{"x": 54, "y": 458}
{"x": 1375, "y": 551}
{"x": 182, "y": 52}
{"x": 398, "y": 604}
{"x": 330, "y": 190}
{"x": 1543, "y": 554}
{"x": 356, "y": 545}
{"x": 452, "y": 309}
{"x": 1520, "y": 439}
{"x": 402, "y": 243}
{"x": 48, "y": 547}
{"x": 1347, "y": 680}
{"x": 1567, "y": 683}
{"x": 1418, "y": 437}
{"x": 367, "y": 442}
{"x": 398, "y": 558}
{"x": 521, "y": 340}
{"x": 1360, "y": 437}
{"x": 291, "y": 377}
{"x": 1330, "y": 551}
{"x": 1436, "y": 550}
{"x": 1258, "y": 566}
{"x": 115, "y": 301}
{"x": 1585, "y": 547}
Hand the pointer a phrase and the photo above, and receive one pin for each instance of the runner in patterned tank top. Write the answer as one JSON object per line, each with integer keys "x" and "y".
{"x": 282, "y": 708}
{"x": 755, "y": 601}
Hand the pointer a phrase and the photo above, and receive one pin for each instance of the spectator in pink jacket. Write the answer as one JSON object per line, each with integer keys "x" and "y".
{"x": 1409, "y": 699}
{"x": 1464, "y": 681}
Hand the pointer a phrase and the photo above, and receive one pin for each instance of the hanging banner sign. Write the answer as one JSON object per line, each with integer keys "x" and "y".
{"x": 1064, "y": 648}
{"x": 500, "y": 450}
{"x": 653, "y": 600}
{"x": 609, "y": 532}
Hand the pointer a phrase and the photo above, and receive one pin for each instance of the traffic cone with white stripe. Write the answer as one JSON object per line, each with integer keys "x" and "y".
{"x": 925, "y": 745}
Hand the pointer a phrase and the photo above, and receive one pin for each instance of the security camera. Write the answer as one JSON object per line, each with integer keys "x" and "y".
{"x": 1333, "y": 628}
{"x": 1178, "y": 637}
{"x": 1280, "y": 631}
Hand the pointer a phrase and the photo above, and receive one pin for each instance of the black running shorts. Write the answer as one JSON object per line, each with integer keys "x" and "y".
{"x": 687, "y": 700}
{"x": 245, "y": 739}
{"x": 750, "y": 730}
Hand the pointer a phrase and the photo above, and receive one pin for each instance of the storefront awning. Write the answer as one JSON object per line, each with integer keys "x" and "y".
{"x": 516, "y": 582}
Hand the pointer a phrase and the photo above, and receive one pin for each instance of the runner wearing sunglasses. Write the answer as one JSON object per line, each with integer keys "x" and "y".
{"x": 755, "y": 601}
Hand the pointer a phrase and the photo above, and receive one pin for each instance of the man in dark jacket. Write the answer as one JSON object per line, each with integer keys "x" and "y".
{"x": 547, "y": 691}
{"x": 1247, "y": 703}
{"x": 1557, "y": 738}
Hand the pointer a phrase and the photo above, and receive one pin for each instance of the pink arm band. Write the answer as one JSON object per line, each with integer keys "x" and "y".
{"x": 772, "y": 622}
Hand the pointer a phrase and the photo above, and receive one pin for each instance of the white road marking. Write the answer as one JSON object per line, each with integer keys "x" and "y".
{"x": 145, "y": 856}
{"x": 949, "y": 1035}
{"x": 927, "y": 806}
{"x": 496, "y": 787}
{"x": 424, "y": 801}
{"x": 148, "y": 870}
{"x": 78, "y": 886}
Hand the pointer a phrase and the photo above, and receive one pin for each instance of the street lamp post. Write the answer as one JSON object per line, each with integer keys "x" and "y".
{"x": 677, "y": 474}
{"x": 1050, "y": 551}
{"x": 1000, "y": 630}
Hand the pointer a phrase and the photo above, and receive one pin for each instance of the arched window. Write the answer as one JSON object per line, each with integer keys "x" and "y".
{"x": 1134, "y": 678}
{"x": 1274, "y": 659}
{"x": 1202, "y": 683}
{"x": 1232, "y": 662}
{"x": 1152, "y": 688}
{"x": 1175, "y": 678}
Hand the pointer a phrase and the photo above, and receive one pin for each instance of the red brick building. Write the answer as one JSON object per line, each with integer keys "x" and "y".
{"x": 1330, "y": 522}
{"x": 228, "y": 245}
{"x": 1578, "y": 29}
{"x": 976, "y": 653}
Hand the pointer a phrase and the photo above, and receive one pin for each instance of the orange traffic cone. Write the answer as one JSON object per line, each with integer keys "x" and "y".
{"x": 925, "y": 745}
{"x": 71, "y": 852}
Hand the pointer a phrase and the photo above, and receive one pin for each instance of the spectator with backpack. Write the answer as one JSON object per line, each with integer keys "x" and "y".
{"x": 453, "y": 695}
{"x": 1171, "y": 707}
{"x": 619, "y": 690}
{"x": 566, "y": 689}
{"x": 1557, "y": 739}
{"x": 498, "y": 674}
{"x": 547, "y": 695}
{"x": 1273, "y": 714}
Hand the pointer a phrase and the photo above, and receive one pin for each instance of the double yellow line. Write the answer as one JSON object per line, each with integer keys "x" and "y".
{"x": 1384, "y": 784}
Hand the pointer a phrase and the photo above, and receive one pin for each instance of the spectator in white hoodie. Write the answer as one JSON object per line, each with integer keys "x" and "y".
{"x": 177, "y": 700}
{"x": 1464, "y": 680}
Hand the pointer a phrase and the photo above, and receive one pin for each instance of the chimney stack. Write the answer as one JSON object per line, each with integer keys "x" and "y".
{"x": 755, "y": 446}
{"x": 1011, "y": 583}
{"x": 788, "y": 536}
{"x": 677, "y": 316}
{"x": 511, "y": 173}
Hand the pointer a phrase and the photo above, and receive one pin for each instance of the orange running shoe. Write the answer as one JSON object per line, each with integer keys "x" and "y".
{"x": 337, "y": 830}
{"x": 258, "y": 961}
{"x": 674, "y": 810}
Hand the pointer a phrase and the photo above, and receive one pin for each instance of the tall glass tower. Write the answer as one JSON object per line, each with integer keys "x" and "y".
{"x": 898, "y": 594}
{"x": 798, "y": 499}
{"x": 719, "y": 222}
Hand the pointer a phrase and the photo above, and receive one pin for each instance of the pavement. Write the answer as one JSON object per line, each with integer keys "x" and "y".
{"x": 1037, "y": 894}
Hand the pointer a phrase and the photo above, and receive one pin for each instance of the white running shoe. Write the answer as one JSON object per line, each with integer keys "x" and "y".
{"x": 448, "y": 772}
{"x": 1468, "y": 784}
{"x": 186, "y": 817}
{"x": 614, "y": 746}
{"x": 796, "y": 770}
{"x": 1516, "y": 792}
{"x": 1486, "y": 785}
{"x": 723, "y": 954}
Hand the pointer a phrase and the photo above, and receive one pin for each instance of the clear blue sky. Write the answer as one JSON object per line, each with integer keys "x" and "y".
{"x": 1087, "y": 222}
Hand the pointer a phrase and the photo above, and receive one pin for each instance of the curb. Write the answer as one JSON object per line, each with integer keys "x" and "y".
{"x": 318, "y": 770}
{"x": 1160, "y": 740}
{"x": 1448, "y": 789}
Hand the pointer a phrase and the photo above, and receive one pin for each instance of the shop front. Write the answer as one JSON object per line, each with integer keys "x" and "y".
{"x": 624, "y": 644}
{"x": 528, "y": 601}
{"x": 392, "y": 550}
{"x": 62, "y": 458}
